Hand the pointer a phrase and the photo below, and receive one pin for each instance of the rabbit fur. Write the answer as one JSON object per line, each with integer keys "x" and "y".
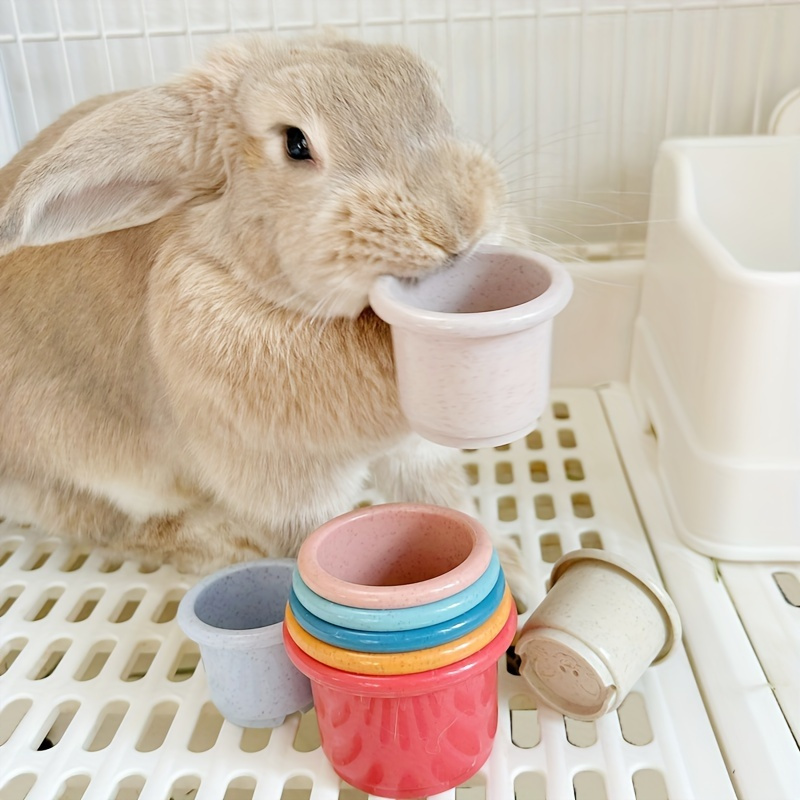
{"x": 192, "y": 373}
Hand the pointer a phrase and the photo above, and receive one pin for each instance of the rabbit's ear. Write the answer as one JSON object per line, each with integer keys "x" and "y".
{"x": 127, "y": 163}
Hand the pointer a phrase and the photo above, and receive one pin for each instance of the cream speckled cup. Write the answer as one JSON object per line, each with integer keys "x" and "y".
{"x": 600, "y": 626}
{"x": 472, "y": 344}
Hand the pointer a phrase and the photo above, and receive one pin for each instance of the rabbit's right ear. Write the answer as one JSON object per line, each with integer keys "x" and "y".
{"x": 127, "y": 163}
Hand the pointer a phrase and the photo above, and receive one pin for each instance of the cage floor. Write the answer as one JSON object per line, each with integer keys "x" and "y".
{"x": 741, "y": 627}
{"x": 103, "y": 698}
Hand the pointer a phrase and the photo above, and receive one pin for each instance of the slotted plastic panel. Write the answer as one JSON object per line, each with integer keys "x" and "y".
{"x": 104, "y": 690}
{"x": 741, "y": 628}
{"x": 767, "y": 597}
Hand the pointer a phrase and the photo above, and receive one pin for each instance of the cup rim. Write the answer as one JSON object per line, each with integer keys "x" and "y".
{"x": 397, "y": 641}
{"x": 411, "y": 684}
{"x": 369, "y": 663}
{"x": 667, "y": 607}
{"x": 399, "y": 619}
{"x": 235, "y": 638}
{"x": 357, "y": 595}
{"x": 387, "y": 305}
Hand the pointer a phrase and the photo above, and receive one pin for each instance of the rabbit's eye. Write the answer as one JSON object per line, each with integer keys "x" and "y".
{"x": 296, "y": 144}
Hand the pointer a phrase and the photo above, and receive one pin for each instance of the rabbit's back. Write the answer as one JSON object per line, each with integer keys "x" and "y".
{"x": 80, "y": 396}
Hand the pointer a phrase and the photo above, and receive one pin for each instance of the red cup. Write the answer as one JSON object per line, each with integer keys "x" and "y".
{"x": 406, "y": 736}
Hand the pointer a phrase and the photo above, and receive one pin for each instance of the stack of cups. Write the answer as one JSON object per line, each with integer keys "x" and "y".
{"x": 398, "y": 615}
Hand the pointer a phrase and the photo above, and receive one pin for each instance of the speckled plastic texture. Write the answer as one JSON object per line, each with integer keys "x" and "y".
{"x": 399, "y": 619}
{"x": 235, "y": 615}
{"x": 397, "y": 641}
{"x": 394, "y": 555}
{"x": 459, "y": 339}
{"x": 600, "y": 626}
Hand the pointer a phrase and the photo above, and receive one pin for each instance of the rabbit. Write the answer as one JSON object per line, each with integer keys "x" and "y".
{"x": 192, "y": 372}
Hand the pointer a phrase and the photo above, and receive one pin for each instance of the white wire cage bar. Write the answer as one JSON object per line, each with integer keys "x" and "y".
{"x": 573, "y": 97}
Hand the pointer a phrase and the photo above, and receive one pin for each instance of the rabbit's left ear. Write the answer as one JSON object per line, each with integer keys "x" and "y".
{"x": 125, "y": 164}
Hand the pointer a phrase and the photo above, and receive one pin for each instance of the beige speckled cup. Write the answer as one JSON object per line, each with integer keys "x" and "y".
{"x": 600, "y": 626}
{"x": 472, "y": 344}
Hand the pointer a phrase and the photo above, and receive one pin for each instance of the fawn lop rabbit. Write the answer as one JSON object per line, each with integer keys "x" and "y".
{"x": 191, "y": 372}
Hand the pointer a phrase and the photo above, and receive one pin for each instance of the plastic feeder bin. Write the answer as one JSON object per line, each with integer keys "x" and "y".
{"x": 716, "y": 352}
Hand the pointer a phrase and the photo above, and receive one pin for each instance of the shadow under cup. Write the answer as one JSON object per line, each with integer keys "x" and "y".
{"x": 472, "y": 344}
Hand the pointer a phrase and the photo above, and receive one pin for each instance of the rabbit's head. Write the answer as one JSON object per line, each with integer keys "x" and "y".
{"x": 324, "y": 163}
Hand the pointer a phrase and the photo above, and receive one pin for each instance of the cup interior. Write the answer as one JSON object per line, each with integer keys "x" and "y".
{"x": 252, "y": 597}
{"x": 480, "y": 282}
{"x": 397, "y": 549}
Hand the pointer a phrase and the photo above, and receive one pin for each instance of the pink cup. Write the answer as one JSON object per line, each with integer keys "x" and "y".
{"x": 395, "y": 555}
{"x": 472, "y": 344}
{"x": 406, "y": 736}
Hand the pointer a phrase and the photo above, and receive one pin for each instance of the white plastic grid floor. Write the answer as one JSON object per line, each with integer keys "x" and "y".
{"x": 741, "y": 627}
{"x": 102, "y": 697}
{"x": 767, "y": 599}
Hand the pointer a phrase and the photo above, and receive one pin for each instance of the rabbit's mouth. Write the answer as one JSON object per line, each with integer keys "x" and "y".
{"x": 451, "y": 261}
{"x": 415, "y": 276}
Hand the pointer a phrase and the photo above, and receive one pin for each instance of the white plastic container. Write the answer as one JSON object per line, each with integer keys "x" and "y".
{"x": 716, "y": 354}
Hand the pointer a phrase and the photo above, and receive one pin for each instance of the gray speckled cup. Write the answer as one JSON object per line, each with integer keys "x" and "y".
{"x": 472, "y": 344}
{"x": 236, "y": 617}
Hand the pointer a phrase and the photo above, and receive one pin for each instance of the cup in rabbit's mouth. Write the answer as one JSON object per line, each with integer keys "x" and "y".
{"x": 472, "y": 344}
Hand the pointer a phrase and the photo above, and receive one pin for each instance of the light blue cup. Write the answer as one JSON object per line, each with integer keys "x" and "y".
{"x": 398, "y": 619}
{"x": 400, "y": 641}
{"x": 236, "y": 617}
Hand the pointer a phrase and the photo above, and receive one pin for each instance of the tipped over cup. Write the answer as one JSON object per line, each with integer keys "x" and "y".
{"x": 472, "y": 344}
{"x": 602, "y": 623}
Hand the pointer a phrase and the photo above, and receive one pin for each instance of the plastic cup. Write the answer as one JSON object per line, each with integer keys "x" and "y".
{"x": 405, "y": 662}
{"x": 601, "y": 624}
{"x": 236, "y": 617}
{"x": 399, "y": 619}
{"x": 406, "y": 736}
{"x": 399, "y": 641}
{"x": 472, "y": 344}
{"x": 394, "y": 555}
